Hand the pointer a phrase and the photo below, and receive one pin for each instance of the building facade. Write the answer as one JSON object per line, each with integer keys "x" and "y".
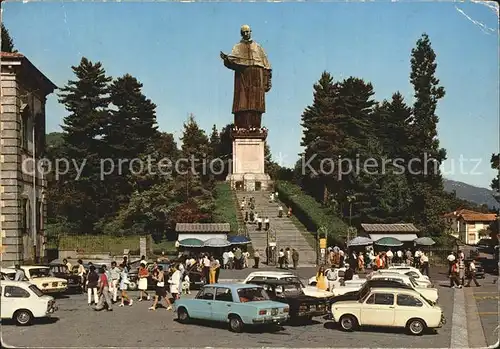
{"x": 23, "y": 92}
{"x": 466, "y": 225}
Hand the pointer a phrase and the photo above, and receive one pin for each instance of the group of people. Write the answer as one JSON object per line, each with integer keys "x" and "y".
{"x": 457, "y": 270}
{"x": 288, "y": 256}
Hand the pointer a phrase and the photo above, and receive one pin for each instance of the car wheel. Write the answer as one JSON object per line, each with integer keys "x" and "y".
{"x": 182, "y": 315}
{"x": 348, "y": 322}
{"x": 416, "y": 326}
{"x": 23, "y": 317}
{"x": 235, "y": 323}
{"x": 132, "y": 286}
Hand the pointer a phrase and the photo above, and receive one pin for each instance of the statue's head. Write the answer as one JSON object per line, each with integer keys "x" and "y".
{"x": 246, "y": 32}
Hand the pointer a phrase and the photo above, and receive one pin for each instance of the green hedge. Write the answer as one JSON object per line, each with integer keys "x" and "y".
{"x": 100, "y": 243}
{"x": 310, "y": 212}
{"x": 225, "y": 206}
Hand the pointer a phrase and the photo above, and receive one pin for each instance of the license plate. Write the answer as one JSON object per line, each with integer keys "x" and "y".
{"x": 274, "y": 311}
{"x": 54, "y": 284}
{"x": 312, "y": 307}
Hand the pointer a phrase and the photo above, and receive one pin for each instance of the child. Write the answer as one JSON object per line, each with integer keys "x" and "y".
{"x": 186, "y": 284}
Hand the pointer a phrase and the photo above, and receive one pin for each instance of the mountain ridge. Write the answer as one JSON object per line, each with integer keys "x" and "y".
{"x": 469, "y": 192}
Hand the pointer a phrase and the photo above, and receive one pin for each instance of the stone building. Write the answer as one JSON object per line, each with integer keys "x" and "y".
{"x": 24, "y": 90}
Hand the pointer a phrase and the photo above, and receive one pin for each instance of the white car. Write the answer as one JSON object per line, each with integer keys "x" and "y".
{"x": 285, "y": 275}
{"x": 407, "y": 269}
{"x": 23, "y": 301}
{"x": 40, "y": 276}
{"x": 429, "y": 293}
{"x": 389, "y": 307}
{"x": 422, "y": 280}
{"x": 10, "y": 274}
{"x": 334, "y": 278}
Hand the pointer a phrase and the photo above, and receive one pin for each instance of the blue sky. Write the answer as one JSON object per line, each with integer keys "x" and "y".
{"x": 173, "y": 49}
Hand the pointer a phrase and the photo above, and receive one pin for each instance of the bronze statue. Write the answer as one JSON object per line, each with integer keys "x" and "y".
{"x": 252, "y": 79}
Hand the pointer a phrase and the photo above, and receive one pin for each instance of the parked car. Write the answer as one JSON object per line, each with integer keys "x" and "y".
{"x": 422, "y": 280}
{"x": 61, "y": 271}
{"x": 23, "y": 301}
{"x": 237, "y": 304}
{"x": 479, "y": 268}
{"x": 285, "y": 275}
{"x": 356, "y": 295}
{"x": 40, "y": 276}
{"x": 335, "y": 278}
{"x": 429, "y": 293}
{"x": 302, "y": 307}
{"x": 389, "y": 307}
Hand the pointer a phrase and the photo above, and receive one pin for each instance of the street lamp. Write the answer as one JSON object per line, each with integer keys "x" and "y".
{"x": 350, "y": 200}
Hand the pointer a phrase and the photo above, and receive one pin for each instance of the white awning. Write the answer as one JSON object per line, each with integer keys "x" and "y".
{"x": 202, "y": 237}
{"x": 400, "y": 237}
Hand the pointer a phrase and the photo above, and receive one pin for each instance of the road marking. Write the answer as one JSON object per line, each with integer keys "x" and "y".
{"x": 459, "y": 334}
{"x": 482, "y": 298}
{"x": 474, "y": 326}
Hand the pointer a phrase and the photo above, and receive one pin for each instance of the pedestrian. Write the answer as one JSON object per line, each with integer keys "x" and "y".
{"x": 19, "y": 273}
{"x": 461, "y": 271}
{"x": 217, "y": 270}
{"x": 81, "y": 274}
{"x": 104, "y": 297}
{"x": 68, "y": 265}
{"x": 225, "y": 260}
{"x": 472, "y": 274}
{"x": 175, "y": 283}
{"x": 321, "y": 281}
{"x": 266, "y": 223}
{"x": 143, "y": 283}
{"x": 92, "y": 281}
{"x": 281, "y": 258}
{"x": 206, "y": 268}
{"x": 399, "y": 254}
{"x": 424, "y": 263}
{"x": 256, "y": 259}
{"x": 161, "y": 291}
{"x": 389, "y": 255}
{"x": 295, "y": 258}
{"x": 280, "y": 211}
{"x": 454, "y": 273}
{"x": 213, "y": 267}
{"x": 259, "y": 223}
{"x": 124, "y": 281}
{"x": 289, "y": 213}
{"x": 288, "y": 257}
{"x": 115, "y": 278}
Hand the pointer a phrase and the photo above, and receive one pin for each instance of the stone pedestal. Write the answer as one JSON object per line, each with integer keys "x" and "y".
{"x": 248, "y": 163}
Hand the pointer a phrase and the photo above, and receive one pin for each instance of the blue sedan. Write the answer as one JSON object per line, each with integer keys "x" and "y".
{"x": 237, "y": 304}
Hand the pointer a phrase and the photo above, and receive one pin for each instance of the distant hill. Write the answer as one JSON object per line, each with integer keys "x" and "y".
{"x": 480, "y": 196}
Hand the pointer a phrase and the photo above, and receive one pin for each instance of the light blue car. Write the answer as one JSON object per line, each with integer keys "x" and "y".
{"x": 238, "y": 304}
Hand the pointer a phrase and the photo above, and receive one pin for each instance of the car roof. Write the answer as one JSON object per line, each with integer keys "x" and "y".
{"x": 15, "y": 283}
{"x": 388, "y": 274}
{"x": 7, "y": 270}
{"x": 270, "y": 273}
{"x": 396, "y": 290}
{"x": 277, "y": 282}
{"x": 34, "y": 267}
{"x": 232, "y": 286}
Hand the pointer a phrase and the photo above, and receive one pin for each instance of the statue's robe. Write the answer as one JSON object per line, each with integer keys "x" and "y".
{"x": 252, "y": 79}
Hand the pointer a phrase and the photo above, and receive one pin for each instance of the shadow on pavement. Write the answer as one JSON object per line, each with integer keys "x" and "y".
{"x": 330, "y": 325}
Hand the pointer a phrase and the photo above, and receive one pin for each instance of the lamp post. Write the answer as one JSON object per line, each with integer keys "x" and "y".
{"x": 350, "y": 200}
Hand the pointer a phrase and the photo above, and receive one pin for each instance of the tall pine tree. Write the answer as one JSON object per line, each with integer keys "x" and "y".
{"x": 7, "y": 41}
{"x": 86, "y": 99}
{"x": 426, "y": 179}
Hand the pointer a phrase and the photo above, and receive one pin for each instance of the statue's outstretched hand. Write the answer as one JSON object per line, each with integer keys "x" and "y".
{"x": 223, "y": 55}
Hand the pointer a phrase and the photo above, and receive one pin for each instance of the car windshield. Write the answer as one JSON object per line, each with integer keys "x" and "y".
{"x": 413, "y": 281}
{"x": 39, "y": 272}
{"x": 252, "y": 294}
{"x": 289, "y": 288}
{"x": 293, "y": 279}
{"x": 364, "y": 290}
{"x": 36, "y": 290}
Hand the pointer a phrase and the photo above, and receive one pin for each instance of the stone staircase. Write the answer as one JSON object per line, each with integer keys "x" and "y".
{"x": 287, "y": 233}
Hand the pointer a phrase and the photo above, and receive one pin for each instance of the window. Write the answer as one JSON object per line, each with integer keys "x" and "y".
{"x": 408, "y": 301}
{"x": 206, "y": 293}
{"x": 36, "y": 290}
{"x": 16, "y": 292}
{"x": 223, "y": 294}
{"x": 39, "y": 272}
{"x": 381, "y": 299}
{"x": 252, "y": 294}
{"x": 261, "y": 278}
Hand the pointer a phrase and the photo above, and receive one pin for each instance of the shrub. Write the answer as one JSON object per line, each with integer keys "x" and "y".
{"x": 310, "y": 212}
{"x": 101, "y": 243}
{"x": 225, "y": 206}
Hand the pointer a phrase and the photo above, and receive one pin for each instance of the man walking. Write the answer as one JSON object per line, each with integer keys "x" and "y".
{"x": 104, "y": 291}
{"x": 256, "y": 259}
{"x": 472, "y": 274}
{"x": 115, "y": 277}
{"x": 295, "y": 258}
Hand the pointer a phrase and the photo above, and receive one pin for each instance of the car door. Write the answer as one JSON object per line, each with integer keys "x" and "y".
{"x": 378, "y": 309}
{"x": 13, "y": 298}
{"x": 222, "y": 304}
{"x": 203, "y": 304}
{"x": 407, "y": 307}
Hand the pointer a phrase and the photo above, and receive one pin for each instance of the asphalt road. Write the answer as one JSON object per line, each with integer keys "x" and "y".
{"x": 78, "y": 325}
{"x": 487, "y": 299}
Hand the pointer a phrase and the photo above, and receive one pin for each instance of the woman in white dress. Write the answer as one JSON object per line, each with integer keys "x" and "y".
{"x": 175, "y": 283}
